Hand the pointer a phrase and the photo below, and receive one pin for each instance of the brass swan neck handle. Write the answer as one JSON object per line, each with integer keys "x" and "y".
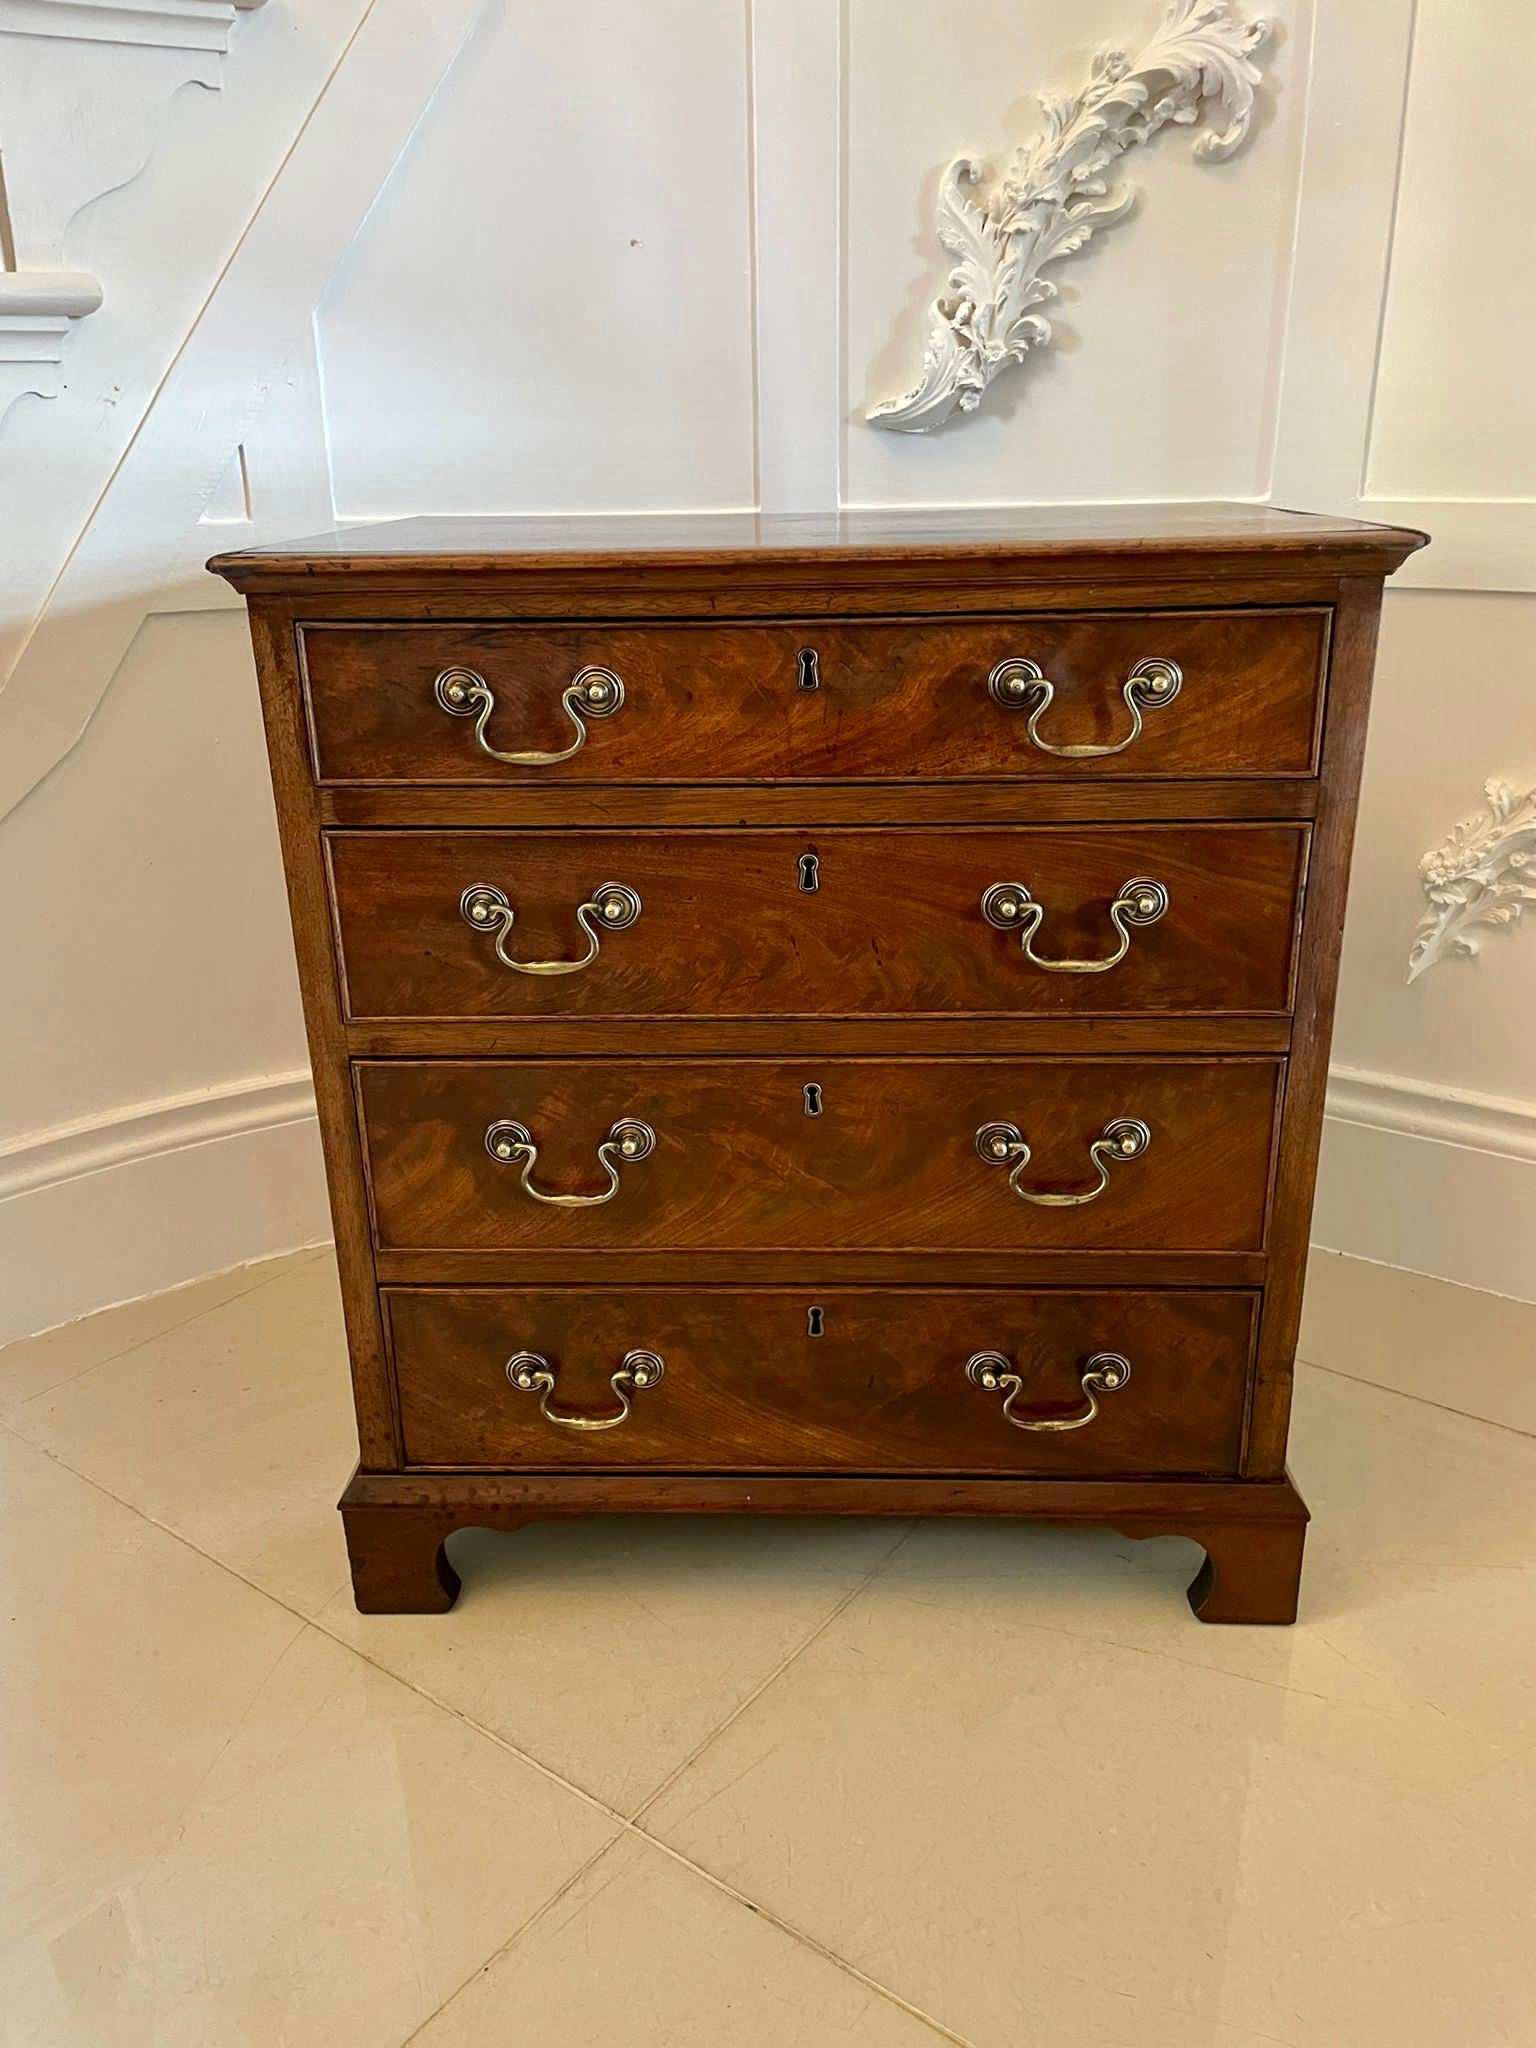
{"x": 1105, "y": 1373}
{"x": 531, "y": 1373}
{"x": 1122, "y": 1138}
{"x": 628, "y": 1141}
{"x": 591, "y": 693}
{"x": 612, "y": 907}
{"x": 1009, "y": 907}
{"x": 1021, "y": 685}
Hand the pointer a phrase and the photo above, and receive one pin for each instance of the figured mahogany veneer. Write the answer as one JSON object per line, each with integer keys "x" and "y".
{"x": 894, "y": 700}
{"x": 889, "y": 1163}
{"x": 808, "y": 786}
{"x": 857, "y": 1380}
{"x": 880, "y": 923}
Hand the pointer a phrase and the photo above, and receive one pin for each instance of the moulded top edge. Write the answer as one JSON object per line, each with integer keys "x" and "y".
{"x": 1059, "y": 540}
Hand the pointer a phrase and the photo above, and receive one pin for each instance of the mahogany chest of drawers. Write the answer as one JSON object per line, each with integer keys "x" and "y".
{"x": 822, "y": 1016}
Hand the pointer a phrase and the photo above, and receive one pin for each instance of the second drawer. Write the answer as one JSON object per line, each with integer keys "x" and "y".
{"x": 845, "y": 1379}
{"x": 839, "y": 1154}
{"x": 1022, "y": 921}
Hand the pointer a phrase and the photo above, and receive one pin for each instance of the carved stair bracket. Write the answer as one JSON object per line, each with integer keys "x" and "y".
{"x": 160, "y": 24}
{"x": 1482, "y": 876}
{"x": 1058, "y": 191}
{"x": 84, "y": 86}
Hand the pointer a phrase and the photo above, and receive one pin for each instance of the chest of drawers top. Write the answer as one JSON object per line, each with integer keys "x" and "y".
{"x": 841, "y": 552}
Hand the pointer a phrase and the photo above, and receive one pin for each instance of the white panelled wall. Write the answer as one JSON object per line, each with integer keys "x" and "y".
{"x": 363, "y": 258}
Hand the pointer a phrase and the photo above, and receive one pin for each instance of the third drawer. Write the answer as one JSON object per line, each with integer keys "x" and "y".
{"x": 1159, "y": 1155}
{"x": 1019, "y": 920}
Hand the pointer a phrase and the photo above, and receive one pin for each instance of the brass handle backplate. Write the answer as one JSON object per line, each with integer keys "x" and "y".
{"x": 1019, "y": 685}
{"x": 1010, "y": 907}
{"x": 1123, "y": 1137}
{"x": 591, "y": 693}
{"x": 1105, "y": 1373}
{"x": 531, "y": 1373}
{"x": 628, "y": 1141}
{"x": 611, "y": 908}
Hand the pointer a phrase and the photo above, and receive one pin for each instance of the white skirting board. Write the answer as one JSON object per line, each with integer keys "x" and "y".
{"x": 1432, "y": 1180}
{"x": 110, "y": 1211}
{"x": 1424, "y": 1179}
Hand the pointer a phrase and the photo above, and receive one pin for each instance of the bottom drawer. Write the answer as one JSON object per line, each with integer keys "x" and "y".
{"x": 844, "y": 1379}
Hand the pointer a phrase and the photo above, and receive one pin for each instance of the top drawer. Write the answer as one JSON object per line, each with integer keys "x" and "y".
{"x": 1144, "y": 694}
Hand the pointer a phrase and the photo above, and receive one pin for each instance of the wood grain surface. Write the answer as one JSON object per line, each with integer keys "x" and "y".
{"x": 890, "y": 1163}
{"x": 892, "y": 924}
{"x": 896, "y": 699}
{"x": 883, "y": 1387}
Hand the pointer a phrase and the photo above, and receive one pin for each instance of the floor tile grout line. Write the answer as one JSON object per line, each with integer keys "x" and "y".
{"x": 1441, "y": 1407}
{"x": 632, "y": 1826}
{"x": 755, "y": 1906}
{"x": 898, "y": 1546}
{"x": 772, "y": 1677}
{"x": 314, "y": 1621}
{"x": 717, "y": 1884}
{"x": 154, "y": 1337}
{"x": 536, "y": 1763}
{"x": 623, "y": 1825}
{"x": 494, "y": 1735}
{"x": 1214, "y": 1671}
{"x": 524, "y": 1926}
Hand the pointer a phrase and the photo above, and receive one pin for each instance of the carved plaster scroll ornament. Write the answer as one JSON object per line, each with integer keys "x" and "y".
{"x": 1482, "y": 876}
{"x": 1058, "y": 191}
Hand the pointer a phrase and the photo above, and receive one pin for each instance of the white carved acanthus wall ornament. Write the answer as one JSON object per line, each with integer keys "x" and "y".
{"x": 1482, "y": 876}
{"x": 1058, "y": 192}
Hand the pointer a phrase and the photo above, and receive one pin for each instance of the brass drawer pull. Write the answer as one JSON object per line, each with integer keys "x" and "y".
{"x": 1010, "y": 907}
{"x": 1105, "y": 1373}
{"x": 593, "y": 692}
{"x": 1018, "y": 684}
{"x": 628, "y": 1142}
{"x": 1123, "y": 1137}
{"x": 532, "y": 1374}
{"x": 611, "y": 908}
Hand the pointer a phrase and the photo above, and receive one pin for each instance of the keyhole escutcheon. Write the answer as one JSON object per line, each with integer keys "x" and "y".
{"x": 810, "y": 874}
{"x": 815, "y": 1323}
{"x": 807, "y": 670}
{"x": 812, "y": 1093}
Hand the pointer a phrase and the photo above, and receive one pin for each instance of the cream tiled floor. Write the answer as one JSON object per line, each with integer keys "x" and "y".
{"x": 788, "y": 1785}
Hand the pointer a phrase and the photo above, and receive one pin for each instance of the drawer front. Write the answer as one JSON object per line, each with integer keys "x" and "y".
{"x": 885, "y": 1386}
{"x": 836, "y": 923}
{"x": 844, "y": 1154}
{"x": 880, "y": 700}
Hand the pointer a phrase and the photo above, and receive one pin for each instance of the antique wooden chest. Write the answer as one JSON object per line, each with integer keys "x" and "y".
{"x": 822, "y": 1016}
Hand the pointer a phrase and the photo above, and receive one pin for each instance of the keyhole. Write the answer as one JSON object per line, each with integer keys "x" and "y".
{"x": 812, "y": 1093}
{"x": 810, "y": 874}
{"x": 815, "y": 1323}
{"x": 807, "y": 672}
